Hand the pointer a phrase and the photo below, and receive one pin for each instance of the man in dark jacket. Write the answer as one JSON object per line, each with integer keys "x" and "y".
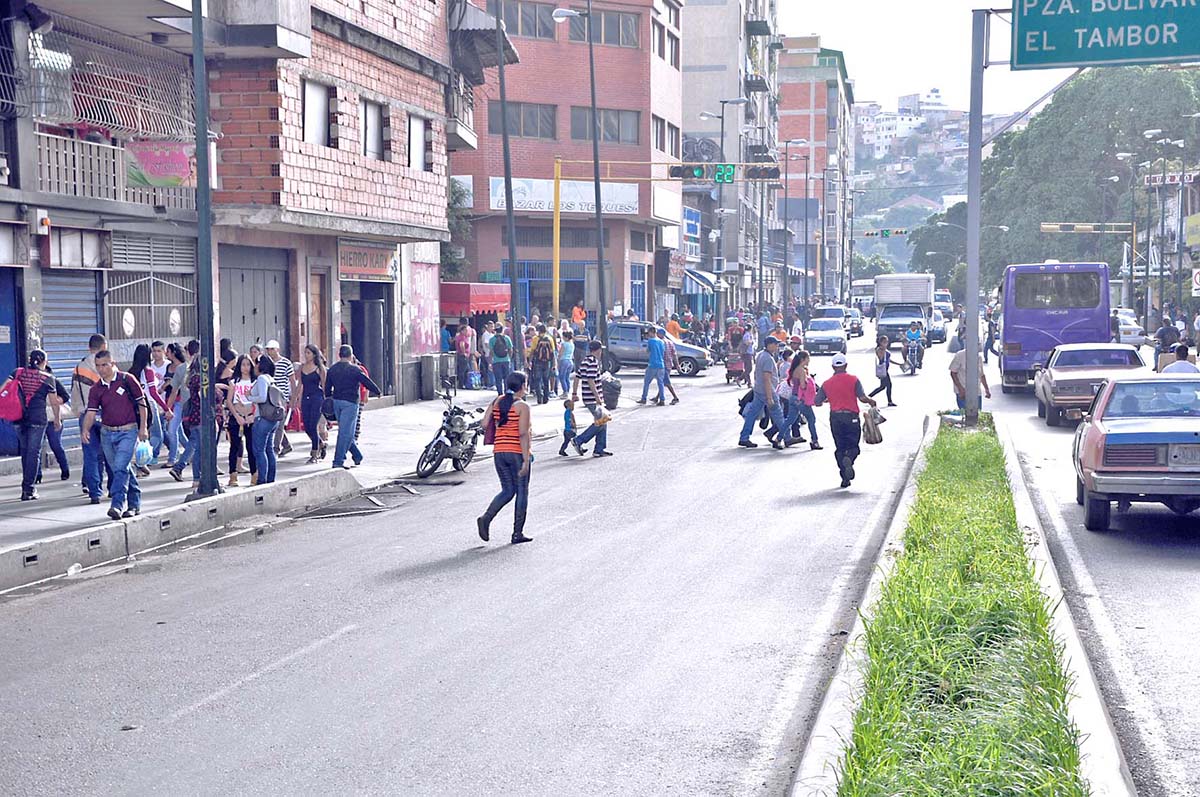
{"x": 341, "y": 384}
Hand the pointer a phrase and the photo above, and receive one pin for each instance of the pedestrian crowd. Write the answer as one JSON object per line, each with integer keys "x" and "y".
{"x": 129, "y": 418}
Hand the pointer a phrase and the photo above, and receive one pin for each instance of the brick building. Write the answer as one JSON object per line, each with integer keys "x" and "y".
{"x": 816, "y": 100}
{"x": 638, "y": 93}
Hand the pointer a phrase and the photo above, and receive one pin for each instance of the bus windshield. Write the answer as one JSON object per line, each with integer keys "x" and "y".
{"x": 1074, "y": 290}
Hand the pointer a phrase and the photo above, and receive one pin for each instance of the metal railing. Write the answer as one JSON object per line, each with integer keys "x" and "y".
{"x": 460, "y": 102}
{"x": 88, "y": 170}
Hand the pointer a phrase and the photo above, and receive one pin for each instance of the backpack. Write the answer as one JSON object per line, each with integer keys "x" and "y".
{"x": 500, "y": 346}
{"x": 12, "y": 404}
{"x": 544, "y": 352}
{"x": 272, "y": 409}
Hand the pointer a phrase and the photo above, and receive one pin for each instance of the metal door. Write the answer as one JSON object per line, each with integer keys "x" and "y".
{"x": 70, "y": 315}
{"x": 254, "y": 298}
{"x": 10, "y": 332}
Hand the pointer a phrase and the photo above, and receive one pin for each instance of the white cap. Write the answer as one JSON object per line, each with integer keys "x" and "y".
{"x": 839, "y": 361}
{"x": 272, "y": 344}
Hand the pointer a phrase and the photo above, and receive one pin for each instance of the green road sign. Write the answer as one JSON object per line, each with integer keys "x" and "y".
{"x": 1049, "y": 34}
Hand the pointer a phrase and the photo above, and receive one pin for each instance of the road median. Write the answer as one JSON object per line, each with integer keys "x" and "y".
{"x": 962, "y": 676}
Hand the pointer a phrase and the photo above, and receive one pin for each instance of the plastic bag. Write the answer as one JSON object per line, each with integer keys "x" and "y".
{"x": 870, "y": 429}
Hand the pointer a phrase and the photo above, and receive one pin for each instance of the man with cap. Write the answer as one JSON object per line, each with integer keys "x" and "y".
{"x": 766, "y": 375}
{"x": 284, "y": 379}
{"x": 843, "y": 391}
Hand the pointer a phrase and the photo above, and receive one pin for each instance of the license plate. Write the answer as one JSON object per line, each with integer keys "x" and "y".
{"x": 1185, "y": 456}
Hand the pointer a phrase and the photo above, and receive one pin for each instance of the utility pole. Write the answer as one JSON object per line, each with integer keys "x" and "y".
{"x": 518, "y": 350}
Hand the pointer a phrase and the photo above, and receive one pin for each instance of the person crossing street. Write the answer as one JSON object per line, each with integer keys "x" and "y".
{"x": 765, "y": 384}
{"x": 843, "y": 392}
{"x": 588, "y": 377}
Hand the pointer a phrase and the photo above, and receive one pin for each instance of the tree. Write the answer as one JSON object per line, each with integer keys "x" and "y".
{"x": 458, "y": 214}
{"x": 937, "y": 249}
{"x": 871, "y": 267}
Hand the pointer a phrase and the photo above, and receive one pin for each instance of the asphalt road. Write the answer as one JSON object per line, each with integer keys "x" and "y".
{"x": 1132, "y": 591}
{"x": 669, "y": 630}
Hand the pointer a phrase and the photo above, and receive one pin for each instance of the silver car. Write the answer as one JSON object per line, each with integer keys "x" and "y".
{"x": 825, "y": 336}
{"x": 627, "y": 346}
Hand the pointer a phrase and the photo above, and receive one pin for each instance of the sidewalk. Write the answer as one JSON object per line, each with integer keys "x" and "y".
{"x": 392, "y": 440}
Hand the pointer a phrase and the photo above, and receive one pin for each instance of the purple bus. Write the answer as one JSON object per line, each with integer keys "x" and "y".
{"x": 1047, "y": 304}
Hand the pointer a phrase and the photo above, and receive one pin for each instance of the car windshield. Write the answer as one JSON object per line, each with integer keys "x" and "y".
{"x": 830, "y": 312}
{"x": 824, "y": 325}
{"x": 1164, "y": 399}
{"x": 907, "y": 314}
{"x": 1098, "y": 358}
{"x": 938, "y": 317}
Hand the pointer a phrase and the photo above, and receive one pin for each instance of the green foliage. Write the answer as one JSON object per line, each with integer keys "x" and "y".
{"x": 871, "y": 267}
{"x": 458, "y": 211}
{"x": 1055, "y": 170}
{"x": 965, "y": 691}
{"x": 949, "y": 244}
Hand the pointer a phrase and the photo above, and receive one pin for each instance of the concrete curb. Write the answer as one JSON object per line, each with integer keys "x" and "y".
{"x": 1101, "y": 759}
{"x": 817, "y": 773}
{"x": 30, "y": 563}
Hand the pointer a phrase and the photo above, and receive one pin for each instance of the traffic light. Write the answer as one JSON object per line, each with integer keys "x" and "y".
{"x": 771, "y": 172}
{"x": 689, "y": 172}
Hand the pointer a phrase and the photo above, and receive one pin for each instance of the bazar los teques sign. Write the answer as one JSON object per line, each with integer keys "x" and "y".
{"x": 1049, "y": 34}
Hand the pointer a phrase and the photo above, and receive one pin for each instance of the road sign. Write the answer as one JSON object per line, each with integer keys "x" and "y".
{"x": 1048, "y": 34}
{"x": 1196, "y": 283}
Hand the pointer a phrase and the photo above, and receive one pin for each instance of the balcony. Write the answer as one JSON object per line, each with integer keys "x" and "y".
{"x": 86, "y": 170}
{"x": 756, "y": 83}
{"x": 759, "y": 27}
{"x": 776, "y": 43}
{"x": 460, "y": 116}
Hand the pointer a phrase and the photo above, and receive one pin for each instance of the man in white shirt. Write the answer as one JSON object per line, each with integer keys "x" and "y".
{"x": 958, "y": 375}
{"x": 485, "y": 352}
{"x": 1181, "y": 365}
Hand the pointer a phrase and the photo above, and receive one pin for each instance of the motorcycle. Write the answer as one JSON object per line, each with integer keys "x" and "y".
{"x": 457, "y": 439}
{"x": 914, "y": 357}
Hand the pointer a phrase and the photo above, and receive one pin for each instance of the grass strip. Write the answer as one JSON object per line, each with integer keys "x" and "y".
{"x": 965, "y": 692}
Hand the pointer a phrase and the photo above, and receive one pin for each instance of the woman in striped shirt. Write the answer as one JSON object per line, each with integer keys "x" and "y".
{"x": 509, "y": 416}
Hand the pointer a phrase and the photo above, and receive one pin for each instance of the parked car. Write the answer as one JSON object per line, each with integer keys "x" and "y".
{"x": 1075, "y": 371}
{"x": 826, "y": 336}
{"x": 626, "y": 347}
{"x": 856, "y": 323}
{"x": 1139, "y": 443}
{"x": 833, "y": 311}
{"x": 1131, "y": 328}
{"x": 937, "y": 327}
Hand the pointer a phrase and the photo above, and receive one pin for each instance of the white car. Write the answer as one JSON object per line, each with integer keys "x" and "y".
{"x": 1131, "y": 328}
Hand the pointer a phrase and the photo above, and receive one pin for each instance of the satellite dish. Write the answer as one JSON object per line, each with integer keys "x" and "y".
{"x": 713, "y": 194}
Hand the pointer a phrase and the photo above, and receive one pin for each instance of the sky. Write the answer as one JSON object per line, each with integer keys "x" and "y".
{"x": 896, "y": 47}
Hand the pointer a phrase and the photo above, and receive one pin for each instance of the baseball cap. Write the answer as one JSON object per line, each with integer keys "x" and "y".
{"x": 272, "y": 344}
{"x": 771, "y": 340}
{"x": 839, "y": 361}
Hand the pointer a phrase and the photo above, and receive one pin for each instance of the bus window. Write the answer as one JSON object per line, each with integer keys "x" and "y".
{"x": 1056, "y": 291}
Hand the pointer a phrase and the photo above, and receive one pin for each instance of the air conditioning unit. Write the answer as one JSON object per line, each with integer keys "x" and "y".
{"x": 718, "y": 265}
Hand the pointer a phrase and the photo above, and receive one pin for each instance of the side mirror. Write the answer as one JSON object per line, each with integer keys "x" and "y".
{"x": 1037, "y": 366}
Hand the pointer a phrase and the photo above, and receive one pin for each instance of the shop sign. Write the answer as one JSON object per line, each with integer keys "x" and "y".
{"x": 576, "y": 196}
{"x": 160, "y": 164}
{"x": 368, "y": 261}
{"x": 676, "y": 268}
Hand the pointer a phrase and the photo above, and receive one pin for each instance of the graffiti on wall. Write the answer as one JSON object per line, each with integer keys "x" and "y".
{"x": 700, "y": 150}
{"x": 424, "y": 304}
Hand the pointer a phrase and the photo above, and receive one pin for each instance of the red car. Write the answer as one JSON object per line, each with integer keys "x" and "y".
{"x": 1139, "y": 442}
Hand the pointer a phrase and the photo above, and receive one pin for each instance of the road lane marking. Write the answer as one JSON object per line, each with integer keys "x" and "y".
{"x": 1137, "y": 702}
{"x": 254, "y": 676}
{"x": 771, "y": 738}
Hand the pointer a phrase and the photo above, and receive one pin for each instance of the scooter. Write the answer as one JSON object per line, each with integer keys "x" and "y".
{"x": 457, "y": 439}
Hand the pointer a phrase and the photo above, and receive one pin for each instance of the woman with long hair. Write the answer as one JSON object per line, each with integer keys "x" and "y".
{"x": 157, "y": 405}
{"x": 509, "y": 416}
{"x": 264, "y": 430}
{"x": 241, "y": 418}
{"x": 883, "y": 364}
{"x": 173, "y": 378}
{"x": 804, "y": 394}
{"x": 35, "y": 388}
{"x": 312, "y": 396}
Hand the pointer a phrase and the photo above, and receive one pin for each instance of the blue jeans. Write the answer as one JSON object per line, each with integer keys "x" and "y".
{"x": 93, "y": 460}
{"x": 176, "y": 437}
{"x": 565, "y": 369}
{"x": 654, "y": 375}
{"x": 156, "y": 431}
{"x": 512, "y": 485}
{"x": 347, "y": 420}
{"x": 54, "y": 438}
{"x": 755, "y": 408}
{"x": 501, "y": 372}
{"x": 263, "y": 442}
{"x": 118, "y": 449}
{"x": 797, "y": 409}
{"x": 29, "y": 440}
{"x": 598, "y": 433}
{"x": 539, "y": 376}
{"x": 190, "y": 451}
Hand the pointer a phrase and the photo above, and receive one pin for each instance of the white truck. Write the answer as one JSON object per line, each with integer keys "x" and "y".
{"x": 901, "y": 299}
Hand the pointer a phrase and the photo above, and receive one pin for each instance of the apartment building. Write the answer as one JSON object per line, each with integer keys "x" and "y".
{"x": 732, "y": 85}
{"x": 638, "y": 54}
{"x": 816, "y": 100}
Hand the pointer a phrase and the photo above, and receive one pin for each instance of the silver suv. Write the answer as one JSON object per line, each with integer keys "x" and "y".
{"x": 626, "y": 346}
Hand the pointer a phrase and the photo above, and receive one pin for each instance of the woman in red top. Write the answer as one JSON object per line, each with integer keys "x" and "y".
{"x": 35, "y": 389}
{"x": 509, "y": 416}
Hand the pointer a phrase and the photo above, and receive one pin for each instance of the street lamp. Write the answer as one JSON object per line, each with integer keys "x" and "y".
{"x": 854, "y": 195}
{"x": 1163, "y": 142}
{"x": 721, "y": 186}
{"x": 1000, "y": 227}
{"x": 787, "y": 226}
{"x": 1128, "y": 157}
{"x": 561, "y": 15}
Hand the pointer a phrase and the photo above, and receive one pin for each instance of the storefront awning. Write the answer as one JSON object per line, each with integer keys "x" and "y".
{"x": 702, "y": 282}
{"x": 468, "y": 298}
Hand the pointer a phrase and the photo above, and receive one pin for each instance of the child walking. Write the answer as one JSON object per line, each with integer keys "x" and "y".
{"x": 569, "y": 428}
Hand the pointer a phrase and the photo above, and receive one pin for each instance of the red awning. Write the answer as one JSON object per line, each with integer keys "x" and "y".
{"x": 467, "y": 298}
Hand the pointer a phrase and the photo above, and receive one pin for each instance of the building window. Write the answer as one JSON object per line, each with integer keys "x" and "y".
{"x": 674, "y": 143}
{"x": 672, "y": 56}
{"x": 612, "y": 27}
{"x": 637, "y": 241}
{"x": 658, "y": 39}
{"x": 525, "y": 119}
{"x": 420, "y": 144}
{"x": 371, "y": 121}
{"x": 673, "y": 16}
{"x": 616, "y": 127}
{"x": 316, "y": 106}
{"x": 532, "y": 20}
{"x": 659, "y": 130}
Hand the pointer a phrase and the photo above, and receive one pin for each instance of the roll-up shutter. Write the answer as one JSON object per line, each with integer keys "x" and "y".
{"x": 254, "y": 297}
{"x": 70, "y": 315}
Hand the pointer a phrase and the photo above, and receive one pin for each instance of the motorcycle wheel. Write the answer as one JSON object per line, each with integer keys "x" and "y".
{"x": 462, "y": 462}
{"x": 431, "y": 459}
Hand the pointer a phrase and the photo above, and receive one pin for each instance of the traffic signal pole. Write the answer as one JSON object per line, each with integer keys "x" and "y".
{"x": 979, "y": 42}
